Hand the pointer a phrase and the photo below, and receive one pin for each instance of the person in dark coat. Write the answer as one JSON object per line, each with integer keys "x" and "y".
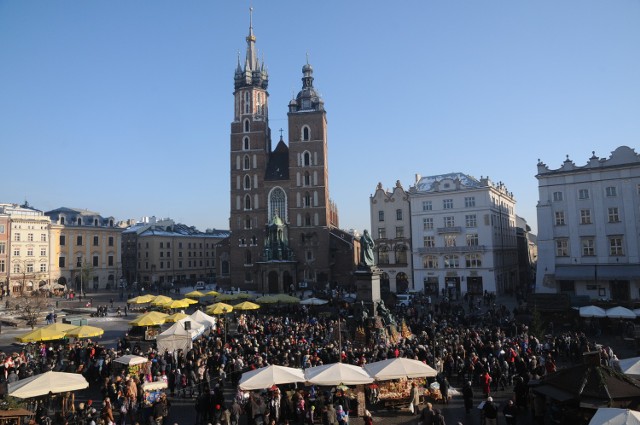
{"x": 467, "y": 395}
{"x": 510, "y": 412}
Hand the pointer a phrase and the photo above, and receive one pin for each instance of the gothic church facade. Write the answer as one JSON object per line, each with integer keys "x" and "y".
{"x": 284, "y": 226}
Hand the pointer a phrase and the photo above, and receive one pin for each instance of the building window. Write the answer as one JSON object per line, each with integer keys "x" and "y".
{"x": 429, "y": 241}
{"x": 16, "y": 237}
{"x": 29, "y": 267}
{"x": 449, "y": 221}
{"x": 611, "y": 191}
{"x": 79, "y": 240}
{"x": 306, "y": 199}
{"x": 380, "y": 215}
{"x": 247, "y": 202}
{"x": 469, "y": 201}
{"x": 30, "y": 237}
{"x": 306, "y": 159}
{"x": 245, "y": 144}
{"x": 451, "y": 262}
{"x": 588, "y": 247}
{"x": 430, "y": 262}
{"x": 16, "y": 251}
{"x": 110, "y": 240}
{"x": 447, "y": 204}
{"x": 247, "y": 182}
{"x": 2, "y": 266}
{"x": 427, "y": 223}
{"x": 30, "y": 252}
{"x": 110, "y": 261}
{"x": 383, "y": 255}
{"x": 470, "y": 220}
{"x": 472, "y": 239}
{"x": 95, "y": 241}
{"x": 615, "y": 246}
{"x": 613, "y": 215}
{"x": 3, "y": 247}
{"x": 557, "y": 196}
{"x": 585, "y": 216}
{"x": 246, "y": 125}
{"x": 562, "y": 248}
{"x": 277, "y": 204}
{"x": 305, "y": 133}
{"x": 95, "y": 261}
{"x": 16, "y": 268}
{"x": 246, "y": 163}
{"x": 382, "y": 233}
{"x": 473, "y": 260}
{"x": 427, "y": 206}
{"x": 399, "y": 232}
{"x": 247, "y": 257}
{"x": 43, "y": 238}
{"x": 43, "y": 251}
{"x": 306, "y": 181}
{"x": 61, "y": 262}
{"x": 247, "y": 223}
{"x": 399, "y": 215}
{"x": 2, "y": 228}
{"x": 449, "y": 240}
{"x": 559, "y": 215}
{"x": 401, "y": 254}
{"x": 583, "y": 194}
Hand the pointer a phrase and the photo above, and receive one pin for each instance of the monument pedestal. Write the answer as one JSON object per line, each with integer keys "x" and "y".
{"x": 368, "y": 287}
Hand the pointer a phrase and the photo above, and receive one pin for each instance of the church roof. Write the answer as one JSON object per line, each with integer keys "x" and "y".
{"x": 278, "y": 167}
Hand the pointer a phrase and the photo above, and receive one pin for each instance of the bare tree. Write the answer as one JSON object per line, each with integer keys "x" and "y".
{"x": 31, "y": 308}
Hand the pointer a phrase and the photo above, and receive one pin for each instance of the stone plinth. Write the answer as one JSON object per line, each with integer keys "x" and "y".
{"x": 368, "y": 285}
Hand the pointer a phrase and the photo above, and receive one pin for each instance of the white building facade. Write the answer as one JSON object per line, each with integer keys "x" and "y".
{"x": 588, "y": 224}
{"x": 464, "y": 235}
{"x": 391, "y": 232}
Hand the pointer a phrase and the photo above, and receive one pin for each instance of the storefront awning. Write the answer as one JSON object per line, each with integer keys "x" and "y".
{"x": 603, "y": 272}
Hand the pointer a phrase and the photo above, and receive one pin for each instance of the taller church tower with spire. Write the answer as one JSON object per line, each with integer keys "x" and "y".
{"x": 284, "y": 227}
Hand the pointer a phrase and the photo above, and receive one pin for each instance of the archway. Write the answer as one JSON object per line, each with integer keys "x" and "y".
{"x": 272, "y": 281}
{"x": 402, "y": 282}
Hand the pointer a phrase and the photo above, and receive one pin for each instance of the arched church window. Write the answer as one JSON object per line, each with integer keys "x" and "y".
{"x": 245, "y": 143}
{"x": 247, "y": 222}
{"x": 247, "y": 163}
{"x": 277, "y": 203}
{"x": 306, "y": 159}
{"x": 306, "y": 133}
{"x": 307, "y": 219}
{"x": 247, "y": 202}
{"x": 307, "y": 179}
{"x": 247, "y": 182}
{"x": 307, "y": 199}
{"x": 246, "y": 126}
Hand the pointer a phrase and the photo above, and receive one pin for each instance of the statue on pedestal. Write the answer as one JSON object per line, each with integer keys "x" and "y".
{"x": 386, "y": 315}
{"x": 366, "y": 250}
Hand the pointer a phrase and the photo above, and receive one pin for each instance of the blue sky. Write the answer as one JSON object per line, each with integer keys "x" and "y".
{"x": 124, "y": 107}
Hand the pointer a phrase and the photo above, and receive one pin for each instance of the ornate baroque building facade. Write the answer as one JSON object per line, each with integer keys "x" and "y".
{"x": 588, "y": 221}
{"x": 284, "y": 227}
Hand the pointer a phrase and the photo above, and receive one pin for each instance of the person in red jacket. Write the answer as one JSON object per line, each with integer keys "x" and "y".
{"x": 486, "y": 381}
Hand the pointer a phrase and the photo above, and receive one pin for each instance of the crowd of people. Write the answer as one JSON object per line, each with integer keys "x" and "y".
{"x": 478, "y": 354}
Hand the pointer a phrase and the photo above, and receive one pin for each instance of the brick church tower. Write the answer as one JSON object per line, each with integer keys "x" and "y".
{"x": 281, "y": 219}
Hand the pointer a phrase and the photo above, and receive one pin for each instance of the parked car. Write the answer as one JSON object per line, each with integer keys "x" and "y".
{"x": 403, "y": 300}
{"x": 199, "y": 286}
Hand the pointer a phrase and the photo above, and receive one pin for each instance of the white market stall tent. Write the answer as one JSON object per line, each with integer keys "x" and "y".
{"x": 611, "y": 416}
{"x": 630, "y": 366}
{"x": 54, "y": 382}
{"x": 336, "y": 374}
{"x": 620, "y": 313}
{"x": 592, "y": 311}
{"x": 131, "y": 360}
{"x": 178, "y": 337}
{"x": 269, "y": 376}
{"x": 201, "y": 317}
{"x": 398, "y": 368}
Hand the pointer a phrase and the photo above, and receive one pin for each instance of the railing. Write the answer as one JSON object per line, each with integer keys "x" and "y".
{"x": 449, "y": 249}
{"x": 454, "y": 229}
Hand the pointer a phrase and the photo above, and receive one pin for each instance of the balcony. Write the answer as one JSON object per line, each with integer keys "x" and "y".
{"x": 454, "y": 229}
{"x": 451, "y": 249}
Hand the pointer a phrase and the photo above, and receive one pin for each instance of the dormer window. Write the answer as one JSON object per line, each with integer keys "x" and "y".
{"x": 95, "y": 222}
{"x": 61, "y": 220}
{"x": 79, "y": 221}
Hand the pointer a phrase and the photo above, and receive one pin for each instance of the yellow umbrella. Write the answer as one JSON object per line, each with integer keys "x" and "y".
{"x": 59, "y": 327}
{"x": 41, "y": 334}
{"x": 213, "y": 293}
{"x": 267, "y": 299}
{"x": 189, "y": 301}
{"x": 219, "y": 308}
{"x": 149, "y": 319}
{"x": 142, "y": 299}
{"x": 84, "y": 331}
{"x": 176, "y": 304}
{"x": 172, "y": 318}
{"x": 161, "y": 300}
{"x": 225, "y": 297}
{"x": 194, "y": 294}
{"x": 287, "y": 299}
{"x": 246, "y": 305}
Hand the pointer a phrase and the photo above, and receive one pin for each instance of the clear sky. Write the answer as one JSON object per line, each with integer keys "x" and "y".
{"x": 124, "y": 107}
